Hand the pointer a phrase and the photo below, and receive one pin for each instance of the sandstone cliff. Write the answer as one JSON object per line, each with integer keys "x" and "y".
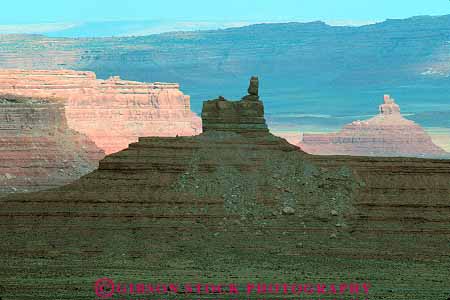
{"x": 387, "y": 134}
{"x": 233, "y": 204}
{"x": 114, "y": 112}
{"x": 37, "y": 148}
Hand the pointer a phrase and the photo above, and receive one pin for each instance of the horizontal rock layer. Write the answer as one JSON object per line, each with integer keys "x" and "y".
{"x": 182, "y": 205}
{"x": 242, "y": 117}
{"x": 37, "y": 148}
{"x": 113, "y": 112}
{"x": 228, "y": 206}
{"x": 387, "y": 134}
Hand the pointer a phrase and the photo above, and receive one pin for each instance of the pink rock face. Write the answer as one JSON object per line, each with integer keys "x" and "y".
{"x": 387, "y": 134}
{"x": 37, "y": 148}
{"x": 114, "y": 112}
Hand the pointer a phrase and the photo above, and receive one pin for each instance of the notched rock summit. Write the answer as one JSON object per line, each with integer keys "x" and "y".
{"x": 244, "y": 117}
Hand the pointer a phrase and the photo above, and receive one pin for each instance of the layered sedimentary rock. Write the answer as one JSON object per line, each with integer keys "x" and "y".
{"x": 243, "y": 117}
{"x": 298, "y": 59}
{"x": 37, "y": 148}
{"x": 387, "y": 134}
{"x": 26, "y": 51}
{"x": 229, "y": 206}
{"x": 114, "y": 112}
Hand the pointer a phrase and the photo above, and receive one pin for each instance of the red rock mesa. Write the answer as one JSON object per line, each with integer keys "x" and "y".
{"x": 387, "y": 134}
{"x": 114, "y": 112}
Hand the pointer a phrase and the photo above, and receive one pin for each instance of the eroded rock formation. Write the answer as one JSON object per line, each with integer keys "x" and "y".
{"x": 245, "y": 116}
{"x": 208, "y": 207}
{"x": 114, "y": 112}
{"x": 387, "y": 134}
{"x": 37, "y": 148}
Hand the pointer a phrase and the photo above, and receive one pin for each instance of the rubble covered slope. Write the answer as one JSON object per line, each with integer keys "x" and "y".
{"x": 233, "y": 204}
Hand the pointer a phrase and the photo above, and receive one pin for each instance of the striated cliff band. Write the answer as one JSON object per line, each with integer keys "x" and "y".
{"x": 233, "y": 204}
{"x": 113, "y": 113}
{"x": 387, "y": 134}
{"x": 301, "y": 61}
{"x": 37, "y": 148}
{"x": 309, "y": 68}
